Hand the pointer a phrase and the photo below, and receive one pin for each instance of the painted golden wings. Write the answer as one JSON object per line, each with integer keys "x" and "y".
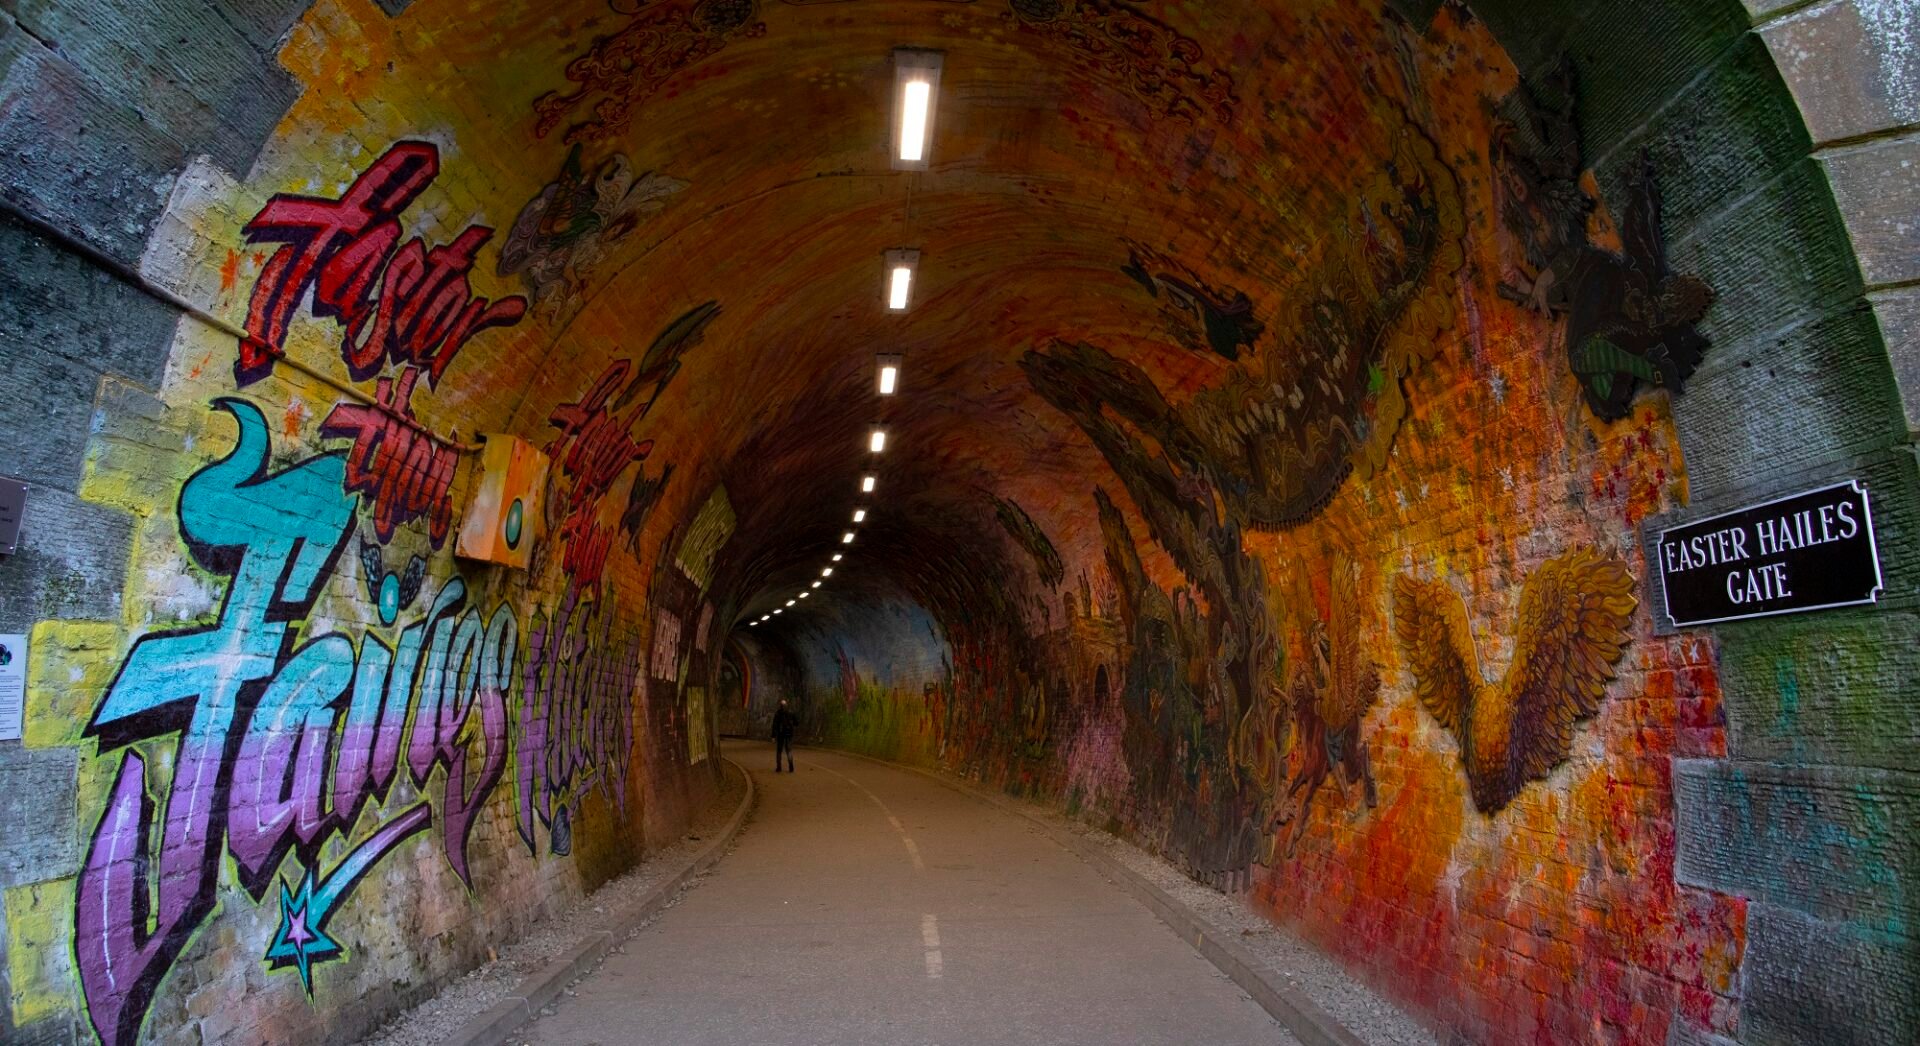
{"x": 1572, "y": 629}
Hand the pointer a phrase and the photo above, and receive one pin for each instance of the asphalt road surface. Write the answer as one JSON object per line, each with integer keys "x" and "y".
{"x": 869, "y": 904}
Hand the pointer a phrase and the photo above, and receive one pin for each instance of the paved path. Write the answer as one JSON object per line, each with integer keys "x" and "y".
{"x": 868, "y": 904}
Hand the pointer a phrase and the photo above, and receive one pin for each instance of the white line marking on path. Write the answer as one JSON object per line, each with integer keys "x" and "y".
{"x": 930, "y": 937}
{"x": 913, "y": 851}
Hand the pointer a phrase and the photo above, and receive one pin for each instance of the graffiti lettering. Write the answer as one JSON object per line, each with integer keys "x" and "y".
{"x": 278, "y": 745}
{"x": 399, "y": 302}
{"x": 576, "y": 721}
{"x": 403, "y": 471}
{"x": 595, "y": 445}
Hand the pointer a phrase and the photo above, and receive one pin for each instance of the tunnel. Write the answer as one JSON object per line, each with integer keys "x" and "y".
{"x": 1438, "y": 475}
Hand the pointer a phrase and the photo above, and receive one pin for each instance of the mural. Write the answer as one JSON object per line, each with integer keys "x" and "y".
{"x": 706, "y": 535}
{"x": 1571, "y": 629}
{"x": 562, "y": 235}
{"x": 1630, "y": 319}
{"x": 279, "y": 745}
{"x": 399, "y": 304}
{"x": 305, "y": 721}
{"x": 1111, "y": 42}
{"x": 1260, "y": 512}
{"x": 1028, "y": 535}
{"x": 1317, "y": 652}
{"x": 1161, "y": 68}
{"x": 626, "y": 68}
{"x": 596, "y": 444}
{"x": 1316, "y": 709}
{"x": 1199, "y": 316}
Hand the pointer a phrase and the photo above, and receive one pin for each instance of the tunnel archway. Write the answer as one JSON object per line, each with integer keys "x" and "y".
{"x": 1283, "y": 381}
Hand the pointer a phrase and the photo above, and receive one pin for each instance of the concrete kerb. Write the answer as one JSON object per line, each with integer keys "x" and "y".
{"x": 1302, "y": 1016}
{"x": 494, "y": 1025}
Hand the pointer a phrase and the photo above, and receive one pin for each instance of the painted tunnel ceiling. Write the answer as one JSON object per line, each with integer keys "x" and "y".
{"x": 1281, "y": 397}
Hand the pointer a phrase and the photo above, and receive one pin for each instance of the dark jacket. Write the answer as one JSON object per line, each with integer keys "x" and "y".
{"x": 783, "y": 723}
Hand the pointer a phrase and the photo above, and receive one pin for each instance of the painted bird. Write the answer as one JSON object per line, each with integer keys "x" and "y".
{"x": 1573, "y": 616}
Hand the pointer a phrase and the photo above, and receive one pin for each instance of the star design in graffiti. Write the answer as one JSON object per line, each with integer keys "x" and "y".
{"x": 301, "y": 941}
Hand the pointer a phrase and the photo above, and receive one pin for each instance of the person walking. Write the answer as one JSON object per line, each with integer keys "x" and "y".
{"x": 783, "y": 723}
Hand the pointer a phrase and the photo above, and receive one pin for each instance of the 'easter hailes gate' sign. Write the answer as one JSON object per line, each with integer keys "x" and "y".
{"x": 1804, "y": 552}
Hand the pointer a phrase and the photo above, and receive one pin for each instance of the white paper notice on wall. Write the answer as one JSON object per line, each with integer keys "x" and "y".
{"x": 13, "y": 686}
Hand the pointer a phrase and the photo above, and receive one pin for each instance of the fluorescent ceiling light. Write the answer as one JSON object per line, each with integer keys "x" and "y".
{"x": 888, "y": 376}
{"x": 916, "y": 99}
{"x": 828, "y": 572}
{"x": 859, "y": 515}
{"x": 790, "y": 602}
{"x": 899, "y": 287}
{"x": 916, "y": 84}
{"x": 902, "y": 264}
{"x": 878, "y": 441}
{"x": 779, "y": 610}
{"x": 866, "y": 485}
{"x": 804, "y": 595}
{"x": 837, "y": 557}
{"x": 816, "y": 584}
{"x": 847, "y": 538}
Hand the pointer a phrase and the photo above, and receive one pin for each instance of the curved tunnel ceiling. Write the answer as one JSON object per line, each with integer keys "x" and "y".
{"x": 1179, "y": 196}
{"x": 1289, "y": 390}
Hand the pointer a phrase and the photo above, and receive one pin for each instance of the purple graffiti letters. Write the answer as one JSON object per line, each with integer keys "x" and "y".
{"x": 278, "y": 745}
{"x": 576, "y": 715}
{"x": 277, "y": 537}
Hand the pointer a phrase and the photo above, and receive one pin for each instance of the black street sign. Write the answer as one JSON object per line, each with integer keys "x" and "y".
{"x": 1803, "y": 552}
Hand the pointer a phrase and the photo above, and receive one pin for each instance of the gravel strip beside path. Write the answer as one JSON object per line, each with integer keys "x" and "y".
{"x": 431, "y": 1022}
{"x": 1364, "y": 1011}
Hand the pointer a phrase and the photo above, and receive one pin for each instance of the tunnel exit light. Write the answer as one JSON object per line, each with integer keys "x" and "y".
{"x": 866, "y": 485}
{"x": 847, "y": 538}
{"x": 889, "y": 374}
{"x": 859, "y": 515}
{"x": 902, "y": 264}
{"x": 878, "y": 441}
{"x": 916, "y": 83}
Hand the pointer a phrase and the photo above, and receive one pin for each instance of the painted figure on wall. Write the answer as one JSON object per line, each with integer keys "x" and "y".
{"x": 1311, "y": 718}
{"x": 1630, "y": 319}
{"x": 563, "y": 233}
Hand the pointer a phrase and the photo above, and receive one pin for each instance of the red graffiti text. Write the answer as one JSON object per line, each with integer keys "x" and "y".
{"x": 402, "y": 470}
{"x": 398, "y": 302}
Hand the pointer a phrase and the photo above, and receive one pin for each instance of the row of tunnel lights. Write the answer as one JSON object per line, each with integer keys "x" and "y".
{"x": 916, "y": 76}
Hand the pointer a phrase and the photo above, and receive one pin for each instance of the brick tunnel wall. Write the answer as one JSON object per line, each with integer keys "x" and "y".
{"x": 289, "y": 763}
{"x": 1719, "y": 855}
{"x": 1723, "y": 852}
